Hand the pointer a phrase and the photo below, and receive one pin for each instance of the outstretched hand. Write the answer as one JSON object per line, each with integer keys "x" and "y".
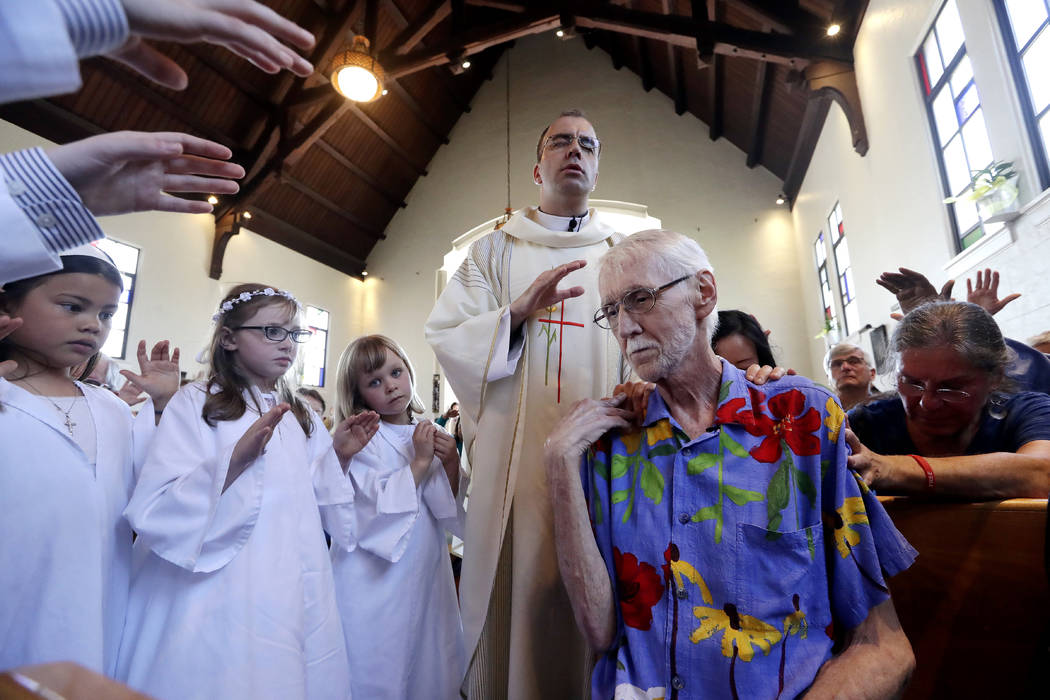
{"x": 351, "y": 436}
{"x": 8, "y": 326}
{"x": 760, "y": 374}
{"x": 913, "y": 289}
{"x": 985, "y": 292}
{"x": 586, "y": 421}
{"x": 158, "y": 373}
{"x": 544, "y": 292}
{"x": 253, "y": 443}
{"x": 637, "y": 395}
{"x": 128, "y": 171}
{"x": 245, "y": 27}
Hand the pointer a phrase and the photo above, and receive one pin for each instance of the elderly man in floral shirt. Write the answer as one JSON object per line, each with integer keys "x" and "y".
{"x": 723, "y": 548}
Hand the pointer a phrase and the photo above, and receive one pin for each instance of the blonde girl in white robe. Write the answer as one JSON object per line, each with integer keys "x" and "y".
{"x": 232, "y": 593}
{"x": 68, "y": 453}
{"x": 396, "y": 592}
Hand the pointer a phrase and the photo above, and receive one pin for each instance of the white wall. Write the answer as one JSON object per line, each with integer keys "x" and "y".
{"x": 650, "y": 156}
{"x": 175, "y": 298}
{"x": 891, "y": 198}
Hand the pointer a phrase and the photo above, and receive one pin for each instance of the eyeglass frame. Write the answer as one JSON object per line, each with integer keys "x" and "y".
{"x": 918, "y": 391}
{"x": 851, "y": 360}
{"x": 601, "y": 315}
{"x": 574, "y": 138}
{"x": 293, "y": 333}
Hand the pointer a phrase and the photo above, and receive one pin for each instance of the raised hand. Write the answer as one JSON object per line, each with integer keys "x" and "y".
{"x": 544, "y": 292}
{"x": 131, "y": 394}
{"x": 158, "y": 373}
{"x": 912, "y": 289}
{"x": 247, "y": 28}
{"x": 351, "y": 436}
{"x": 445, "y": 449}
{"x": 423, "y": 443}
{"x": 128, "y": 171}
{"x": 586, "y": 421}
{"x": 985, "y": 292}
{"x": 253, "y": 443}
{"x": 8, "y": 326}
{"x": 637, "y": 402}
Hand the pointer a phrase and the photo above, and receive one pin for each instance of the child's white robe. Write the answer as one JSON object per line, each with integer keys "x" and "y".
{"x": 65, "y": 559}
{"x": 396, "y": 592}
{"x": 232, "y": 593}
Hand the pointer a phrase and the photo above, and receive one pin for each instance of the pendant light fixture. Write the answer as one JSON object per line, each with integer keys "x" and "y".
{"x": 356, "y": 74}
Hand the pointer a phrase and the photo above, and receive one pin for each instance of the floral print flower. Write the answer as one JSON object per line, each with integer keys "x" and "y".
{"x": 631, "y": 441}
{"x": 791, "y": 424}
{"x": 681, "y": 569}
{"x": 842, "y": 521}
{"x": 660, "y": 430}
{"x": 834, "y": 419}
{"x": 741, "y": 633}
{"x": 626, "y": 691}
{"x": 639, "y": 588}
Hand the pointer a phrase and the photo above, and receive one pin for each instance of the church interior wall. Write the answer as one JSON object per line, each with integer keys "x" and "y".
{"x": 650, "y": 156}
{"x": 175, "y": 298}
{"x": 891, "y": 198}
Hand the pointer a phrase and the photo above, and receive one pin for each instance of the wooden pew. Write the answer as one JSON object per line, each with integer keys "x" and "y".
{"x": 976, "y": 603}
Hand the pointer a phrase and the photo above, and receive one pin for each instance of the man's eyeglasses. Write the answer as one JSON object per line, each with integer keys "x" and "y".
{"x": 638, "y": 301}
{"x": 852, "y": 361}
{"x": 915, "y": 391}
{"x": 556, "y": 142}
{"x": 277, "y": 334}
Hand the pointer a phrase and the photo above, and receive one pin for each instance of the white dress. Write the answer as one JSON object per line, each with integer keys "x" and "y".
{"x": 66, "y": 553}
{"x": 232, "y": 593}
{"x": 396, "y": 593}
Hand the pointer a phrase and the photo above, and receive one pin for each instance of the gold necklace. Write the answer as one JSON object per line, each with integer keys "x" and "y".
{"x": 70, "y": 423}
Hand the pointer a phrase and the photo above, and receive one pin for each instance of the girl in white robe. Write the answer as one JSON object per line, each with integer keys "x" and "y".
{"x": 232, "y": 593}
{"x": 68, "y": 452}
{"x": 396, "y": 592}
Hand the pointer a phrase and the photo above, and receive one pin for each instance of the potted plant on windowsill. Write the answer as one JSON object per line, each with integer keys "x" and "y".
{"x": 994, "y": 189}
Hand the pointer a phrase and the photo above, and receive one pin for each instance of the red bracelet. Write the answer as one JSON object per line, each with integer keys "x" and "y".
{"x": 930, "y": 479}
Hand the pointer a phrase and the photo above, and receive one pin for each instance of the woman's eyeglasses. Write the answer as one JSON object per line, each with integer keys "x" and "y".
{"x": 277, "y": 334}
{"x": 915, "y": 391}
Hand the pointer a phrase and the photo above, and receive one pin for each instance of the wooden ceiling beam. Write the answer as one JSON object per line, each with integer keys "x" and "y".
{"x": 781, "y": 17}
{"x": 808, "y": 134}
{"x": 716, "y": 85}
{"x": 52, "y": 121}
{"x": 315, "y": 196}
{"x": 645, "y": 62}
{"x": 362, "y": 174}
{"x": 675, "y": 71}
{"x": 518, "y": 7}
{"x": 386, "y": 138}
{"x": 201, "y": 54}
{"x": 417, "y": 110}
{"x": 277, "y": 230}
{"x": 759, "y": 112}
{"x": 423, "y": 24}
{"x": 442, "y": 76}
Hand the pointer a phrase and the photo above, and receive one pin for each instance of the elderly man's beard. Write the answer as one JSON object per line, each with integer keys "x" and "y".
{"x": 670, "y": 354}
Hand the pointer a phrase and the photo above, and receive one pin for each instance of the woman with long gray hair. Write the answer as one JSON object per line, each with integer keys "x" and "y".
{"x": 956, "y": 429}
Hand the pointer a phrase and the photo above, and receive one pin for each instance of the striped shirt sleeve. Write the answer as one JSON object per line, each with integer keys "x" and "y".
{"x": 95, "y": 26}
{"x": 48, "y": 200}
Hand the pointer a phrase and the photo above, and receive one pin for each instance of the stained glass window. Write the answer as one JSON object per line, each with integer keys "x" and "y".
{"x": 827, "y": 301}
{"x": 840, "y": 251}
{"x": 1026, "y": 32}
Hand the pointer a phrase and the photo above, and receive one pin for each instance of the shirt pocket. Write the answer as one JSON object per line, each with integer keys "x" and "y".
{"x": 779, "y": 573}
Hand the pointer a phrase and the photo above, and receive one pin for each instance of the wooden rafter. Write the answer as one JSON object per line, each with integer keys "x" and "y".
{"x": 759, "y": 111}
{"x": 318, "y": 198}
{"x": 518, "y": 7}
{"x": 52, "y": 121}
{"x": 808, "y": 135}
{"x": 361, "y": 173}
{"x": 418, "y": 28}
{"x": 675, "y": 71}
{"x": 421, "y": 114}
{"x": 781, "y": 17}
{"x": 267, "y": 225}
{"x": 385, "y": 137}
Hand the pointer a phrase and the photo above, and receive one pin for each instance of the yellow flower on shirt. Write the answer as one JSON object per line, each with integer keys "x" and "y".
{"x": 660, "y": 430}
{"x": 631, "y": 441}
{"x": 849, "y": 514}
{"x": 834, "y": 420}
{"x": 742, "y": 632}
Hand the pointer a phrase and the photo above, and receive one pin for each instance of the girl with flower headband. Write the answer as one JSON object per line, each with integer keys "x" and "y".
{"x": 396, "y": 593}
{"x": 232, "y": 593}
{"x": 69, "y": 453}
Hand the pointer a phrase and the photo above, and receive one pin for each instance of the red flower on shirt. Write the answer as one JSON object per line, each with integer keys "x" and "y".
{"x": 639, "y": 588}
{"x": 791, "y": 423}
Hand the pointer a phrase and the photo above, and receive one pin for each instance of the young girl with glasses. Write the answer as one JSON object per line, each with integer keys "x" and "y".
{"x": 232, "y": 592}
{"x": 69, "y": 452}
{"x": 396, "y": 592}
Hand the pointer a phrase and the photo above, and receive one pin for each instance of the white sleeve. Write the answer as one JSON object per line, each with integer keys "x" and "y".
{"x": 178, "y": 507}
{"x": 42, "y": 40}
{"x": 333, "y": 489}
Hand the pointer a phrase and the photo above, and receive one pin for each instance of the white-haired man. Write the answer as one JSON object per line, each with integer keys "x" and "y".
{"x": 723, "y": 549}
{"x": 852, "y": 373}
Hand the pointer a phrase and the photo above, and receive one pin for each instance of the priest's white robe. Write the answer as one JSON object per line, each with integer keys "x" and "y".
{"x": 512, "y": 389}
{"x": 232, "y": 593}
{"x": 396, "y": 593}
{"x": 66, "y": 554}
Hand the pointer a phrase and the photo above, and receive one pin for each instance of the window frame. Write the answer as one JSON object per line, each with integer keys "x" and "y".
{"x": 133, "y": 276}
{"x": 316, "y": 330}
{"x": 1040, "y": 150}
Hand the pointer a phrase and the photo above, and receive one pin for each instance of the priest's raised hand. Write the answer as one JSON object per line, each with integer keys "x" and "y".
{"x": 544, "y": 292}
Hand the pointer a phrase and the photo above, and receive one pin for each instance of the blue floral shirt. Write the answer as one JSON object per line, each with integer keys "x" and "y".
{"x": 736, "y": 557}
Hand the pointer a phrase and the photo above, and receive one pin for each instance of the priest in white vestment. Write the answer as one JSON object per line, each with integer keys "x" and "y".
{"x": 513, "y": 331}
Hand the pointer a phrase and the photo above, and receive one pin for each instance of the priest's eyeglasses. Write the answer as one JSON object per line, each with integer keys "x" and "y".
{"x": 915, "y": 391}
{"x": 277, "y": 334}
{"x": 556, "y": 142}
{"x": 636, "y": 301}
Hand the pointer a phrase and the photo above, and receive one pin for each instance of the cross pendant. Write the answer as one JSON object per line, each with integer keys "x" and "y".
{"x": 70, "y": 424}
